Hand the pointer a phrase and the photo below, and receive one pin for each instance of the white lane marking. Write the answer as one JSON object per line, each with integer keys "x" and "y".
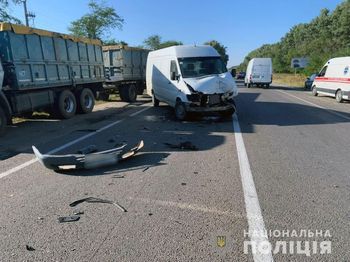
{"x": 254, "y": 216}
{"x": 139, "y": 112}
{"x": 315, "y": 105}
{"x": 55, "y": 150}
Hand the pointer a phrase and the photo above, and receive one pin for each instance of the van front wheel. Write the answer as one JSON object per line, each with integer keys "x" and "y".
{"x": 339, "y": 96}
{"x": 180, "y": 111}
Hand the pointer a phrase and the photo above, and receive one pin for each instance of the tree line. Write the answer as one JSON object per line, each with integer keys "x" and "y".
{"x": 325, "y": 37}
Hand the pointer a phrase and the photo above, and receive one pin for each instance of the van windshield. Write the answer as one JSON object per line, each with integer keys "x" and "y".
{"x": 201, "y": 66}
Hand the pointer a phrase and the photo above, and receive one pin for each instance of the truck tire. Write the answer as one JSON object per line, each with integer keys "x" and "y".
{"x": 3, "y": 121}
{"x": 130, "y": 93}
{"x": 180, "y": 111}
{"x": 66, "y": 105}
{"x": 122, "y": 93}
{"x": 86, "y": 101}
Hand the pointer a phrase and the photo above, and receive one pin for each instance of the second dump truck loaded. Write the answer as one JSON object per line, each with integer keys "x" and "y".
{"x": 61, "y": 74}
{"x": 46, "y": 71}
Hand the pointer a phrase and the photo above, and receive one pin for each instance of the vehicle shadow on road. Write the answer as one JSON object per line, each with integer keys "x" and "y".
{"x": 252, "y": 112}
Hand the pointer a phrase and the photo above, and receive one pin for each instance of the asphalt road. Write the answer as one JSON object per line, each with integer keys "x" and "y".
{"x": 280, "y": 166}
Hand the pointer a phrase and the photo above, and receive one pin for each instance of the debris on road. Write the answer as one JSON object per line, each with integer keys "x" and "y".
{"x": 145, "y": 169}
{"x": 68, "y": 219}
{"x": 118, "y": 176}
{"x": 183, "y": 146}
{"x": 87, "y": 161}
{"x": 29, "y": 248}
{"x": 97, "y": 200}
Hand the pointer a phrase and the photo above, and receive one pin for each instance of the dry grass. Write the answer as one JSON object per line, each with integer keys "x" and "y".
{"x": 289, "y": 79}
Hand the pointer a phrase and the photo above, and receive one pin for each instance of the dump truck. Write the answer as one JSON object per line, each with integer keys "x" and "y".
{"x": 125, "y": 71}
{"x": 47, "y": 71}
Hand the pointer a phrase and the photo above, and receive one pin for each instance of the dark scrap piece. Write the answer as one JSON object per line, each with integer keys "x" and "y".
{"x": 97, "y": 200}
{"x": 68, "y": 219}
{"x": 29, "y": 248}
{"x": 183, "y": 146}
{"x": 87, "y": 161}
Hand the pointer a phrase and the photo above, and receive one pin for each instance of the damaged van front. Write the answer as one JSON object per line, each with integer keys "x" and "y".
{"x": 191, "y": 79}
{"x": 211, "y": 88}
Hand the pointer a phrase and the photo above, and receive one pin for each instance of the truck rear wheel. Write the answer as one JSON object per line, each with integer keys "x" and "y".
{"x": 86, "y": 101}
{"x": 66, "y": 104}
{"x": 3, "y": 121}
{"x": 131, "y": 93}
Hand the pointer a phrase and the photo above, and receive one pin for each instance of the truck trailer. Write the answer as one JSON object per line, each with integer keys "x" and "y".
{"x": 125, "y": 70}
{"x": 47, "y": 71}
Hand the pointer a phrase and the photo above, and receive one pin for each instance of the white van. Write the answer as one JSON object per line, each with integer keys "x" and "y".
{"x": 334, "y": 79}
{"x": 259, "y": 72}
{"x": 190, "y": 79}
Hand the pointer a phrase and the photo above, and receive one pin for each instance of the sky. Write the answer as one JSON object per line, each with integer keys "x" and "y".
{"x": 241, "y": 26}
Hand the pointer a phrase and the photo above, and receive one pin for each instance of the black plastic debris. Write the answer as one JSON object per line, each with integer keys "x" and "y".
{"x": 183, "y": 146}
{"x": 29, "y": 248}
{"x": 68, "y": 219}
{"x": 97, "y": 200}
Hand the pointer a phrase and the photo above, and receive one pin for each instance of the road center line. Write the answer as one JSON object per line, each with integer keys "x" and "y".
{"x": 55, "y": 150}
{"x": 315, "y": 105}
{"x": 254, "y": 216}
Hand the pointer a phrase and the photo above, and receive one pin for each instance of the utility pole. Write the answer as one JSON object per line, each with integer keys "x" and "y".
{"x": 25, "y": 11}
{"x": 27, "y": 14}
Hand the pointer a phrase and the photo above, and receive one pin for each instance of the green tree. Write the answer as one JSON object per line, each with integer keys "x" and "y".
{"x": 326, "y": 36}
{"x": 114, "y": 42}
{"x": 220, "y": 48}
{"x": 170, "y": 43}
{"x": 154, "y": 42}
{"x": 98, "y": 22}
{"x": 5, "y": 16}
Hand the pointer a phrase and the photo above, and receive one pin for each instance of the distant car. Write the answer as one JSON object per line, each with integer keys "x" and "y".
{"x": 309, "y": 81}
{"x": 240, "y": 75}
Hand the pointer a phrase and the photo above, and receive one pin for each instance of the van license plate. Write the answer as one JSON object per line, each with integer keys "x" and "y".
{"x": 214, "y": 99}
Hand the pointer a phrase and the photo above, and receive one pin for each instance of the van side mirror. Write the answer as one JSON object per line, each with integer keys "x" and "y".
{"x": 233, "y": 72}
{"x": 173, "y": 76}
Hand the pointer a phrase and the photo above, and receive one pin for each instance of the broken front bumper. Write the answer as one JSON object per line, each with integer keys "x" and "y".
{"x": 210, "y": 103}
{"x": 88, "y": 161}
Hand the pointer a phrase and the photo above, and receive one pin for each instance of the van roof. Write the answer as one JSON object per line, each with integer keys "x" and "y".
{"x": 340, "y": 60}
{"x": 186, "y": 51}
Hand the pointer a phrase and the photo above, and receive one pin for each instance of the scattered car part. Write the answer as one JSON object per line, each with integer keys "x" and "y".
{"x": 97, "y": 200}
{"x": 183, "y": 146}
{"x": 68, "y": 219}
{"x": 87, "y": 161}
{"x": 29, "y": 248}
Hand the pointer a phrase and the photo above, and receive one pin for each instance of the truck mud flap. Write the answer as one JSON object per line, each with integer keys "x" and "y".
{"x": 88, "y": 161}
